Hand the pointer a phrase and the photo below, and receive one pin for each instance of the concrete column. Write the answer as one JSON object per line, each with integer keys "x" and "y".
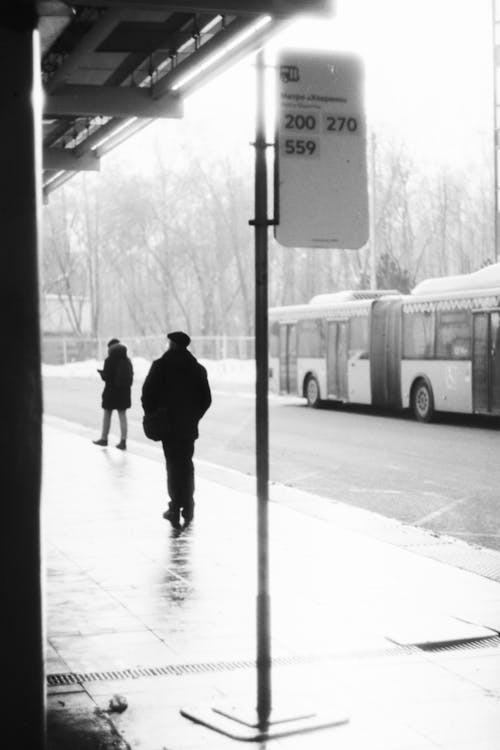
{"x": 20, "y": 414}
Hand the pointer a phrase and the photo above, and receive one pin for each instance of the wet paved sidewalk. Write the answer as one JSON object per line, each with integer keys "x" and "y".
{"x": 405, "y": 646}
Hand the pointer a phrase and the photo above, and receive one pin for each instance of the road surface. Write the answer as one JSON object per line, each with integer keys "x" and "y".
{"x": 443, "y": 476}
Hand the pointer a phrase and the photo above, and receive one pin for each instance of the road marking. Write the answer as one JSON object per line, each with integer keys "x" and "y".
{"x": 250, "y": 395}
{"x": 311, "y": 474}
{"x": 378, "y": 492}
{"x": 440, "y": 511}
{"x": 235, "y": 394}
{"x": 473, "y": 533}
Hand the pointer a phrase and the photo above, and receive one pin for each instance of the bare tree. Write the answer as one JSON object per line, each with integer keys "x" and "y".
{"x": 63, "y": 265}
{"x": 172, "y": 246}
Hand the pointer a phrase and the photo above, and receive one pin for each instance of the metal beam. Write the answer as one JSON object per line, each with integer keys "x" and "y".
{"x": 52, "y": 184}
{"x": 82, "y": 100}
{"x": 229, "y": 7}
{"x": 65, "y": 159}
{"x": 98, "y": 32}
{"x": 103, "y": 133}
{"x": 120, "y": 136}
{"x": 54, "y": 17}
{"x": 198, "y": 58}
{"x": 201, "y": 69}
{"x": 282, "y": 8}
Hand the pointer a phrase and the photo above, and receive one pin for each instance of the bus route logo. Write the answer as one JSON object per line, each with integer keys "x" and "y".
{"x": 289, "y": 74}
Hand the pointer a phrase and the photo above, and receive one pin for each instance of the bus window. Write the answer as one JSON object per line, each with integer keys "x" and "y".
{"x": 453, "y": 338}
{"x": 274, "y": 339}
{"x": 419, "y": 334}
{"x": 495, "y": 362}
{"x": 311, "y": 338}
{"x": 359, "y": 334}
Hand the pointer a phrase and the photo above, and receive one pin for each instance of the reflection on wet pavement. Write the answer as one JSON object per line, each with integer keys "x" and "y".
{"x": 125, "y": 591}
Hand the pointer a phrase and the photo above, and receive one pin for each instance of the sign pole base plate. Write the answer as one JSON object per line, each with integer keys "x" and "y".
{"x": 239, "y": 724}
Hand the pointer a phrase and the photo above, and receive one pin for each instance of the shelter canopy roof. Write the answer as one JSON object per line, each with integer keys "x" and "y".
{"x": 109, "y": 67}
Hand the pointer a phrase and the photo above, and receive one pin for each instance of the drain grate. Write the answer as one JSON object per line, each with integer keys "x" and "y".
{"x": 465, "y": 645}
{"x": 177, "y": 670}
{"x": 78, "y": 678}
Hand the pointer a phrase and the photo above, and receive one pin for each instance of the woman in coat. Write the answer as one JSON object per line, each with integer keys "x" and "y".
{"x": 118, "y": 375}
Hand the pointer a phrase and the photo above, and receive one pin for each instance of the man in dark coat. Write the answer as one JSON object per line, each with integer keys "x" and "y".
{"x": 118, "y": 375}
{"x": 178, "y": 384}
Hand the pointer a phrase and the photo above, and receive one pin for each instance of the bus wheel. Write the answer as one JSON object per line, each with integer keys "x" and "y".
{"x": 422, "y": 401}
{"x": 312, "y": 392}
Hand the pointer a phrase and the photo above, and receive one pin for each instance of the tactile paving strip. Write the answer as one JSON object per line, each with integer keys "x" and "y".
{"x": 441, "y": 547}
{"x": 481, "y": 561}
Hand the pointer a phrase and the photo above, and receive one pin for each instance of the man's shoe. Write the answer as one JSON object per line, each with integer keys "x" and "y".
{"x": 101, "y": 441}
{"x": 122, "y": 445}
{"x": 169, "y": 515}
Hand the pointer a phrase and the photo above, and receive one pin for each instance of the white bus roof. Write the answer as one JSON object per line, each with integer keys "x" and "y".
{"x": 321, "y": 304}
{"x": 479, "y": 286}
{"x": 350, "y": 296}
{"x": 338, "y": 307}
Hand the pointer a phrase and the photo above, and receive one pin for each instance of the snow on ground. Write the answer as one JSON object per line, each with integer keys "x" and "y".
{"x": 220, "y": 371}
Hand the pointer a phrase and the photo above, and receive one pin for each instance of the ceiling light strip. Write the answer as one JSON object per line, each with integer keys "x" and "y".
{"x": 222, "y": 52}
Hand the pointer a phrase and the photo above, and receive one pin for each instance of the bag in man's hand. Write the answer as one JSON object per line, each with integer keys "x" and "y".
{"x": 156, "y": 424}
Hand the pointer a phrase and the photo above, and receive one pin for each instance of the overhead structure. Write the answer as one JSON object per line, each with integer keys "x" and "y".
{"x": 109, "y": 67}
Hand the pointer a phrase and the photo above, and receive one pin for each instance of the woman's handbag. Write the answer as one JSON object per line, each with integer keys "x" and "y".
{"x": 156, "y": 424}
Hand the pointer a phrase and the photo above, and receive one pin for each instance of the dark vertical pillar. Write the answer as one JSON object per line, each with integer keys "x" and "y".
{"x": 20, "y": 414}
{"x": 262, "y": 411}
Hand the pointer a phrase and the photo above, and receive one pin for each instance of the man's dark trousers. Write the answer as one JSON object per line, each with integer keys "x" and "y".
{"x": 180, "y": 476}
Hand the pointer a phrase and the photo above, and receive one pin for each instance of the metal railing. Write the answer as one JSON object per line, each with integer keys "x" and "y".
{"x": 58, "y": 350}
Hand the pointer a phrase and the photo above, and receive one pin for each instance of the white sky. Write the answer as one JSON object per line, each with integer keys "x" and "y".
{"x": 428, "y": 66}
{"x": 428, "y": 78}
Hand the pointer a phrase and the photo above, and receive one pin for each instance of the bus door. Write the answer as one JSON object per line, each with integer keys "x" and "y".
{"x": 288, "y": 358}
{"x": 486, "y": 362}
{"x": 385, "y": 353}
{"x": 336, "y": 359}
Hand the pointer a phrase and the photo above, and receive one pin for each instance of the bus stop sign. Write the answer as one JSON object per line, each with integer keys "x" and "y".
{"x": 321, "y": 183}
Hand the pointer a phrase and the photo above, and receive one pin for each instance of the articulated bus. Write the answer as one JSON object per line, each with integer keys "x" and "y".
{"x": 436, "y": 349}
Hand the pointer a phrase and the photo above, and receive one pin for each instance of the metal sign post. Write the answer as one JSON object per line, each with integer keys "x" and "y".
{"x": 265, "y": 721}
{"x": 261, "y": 223}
